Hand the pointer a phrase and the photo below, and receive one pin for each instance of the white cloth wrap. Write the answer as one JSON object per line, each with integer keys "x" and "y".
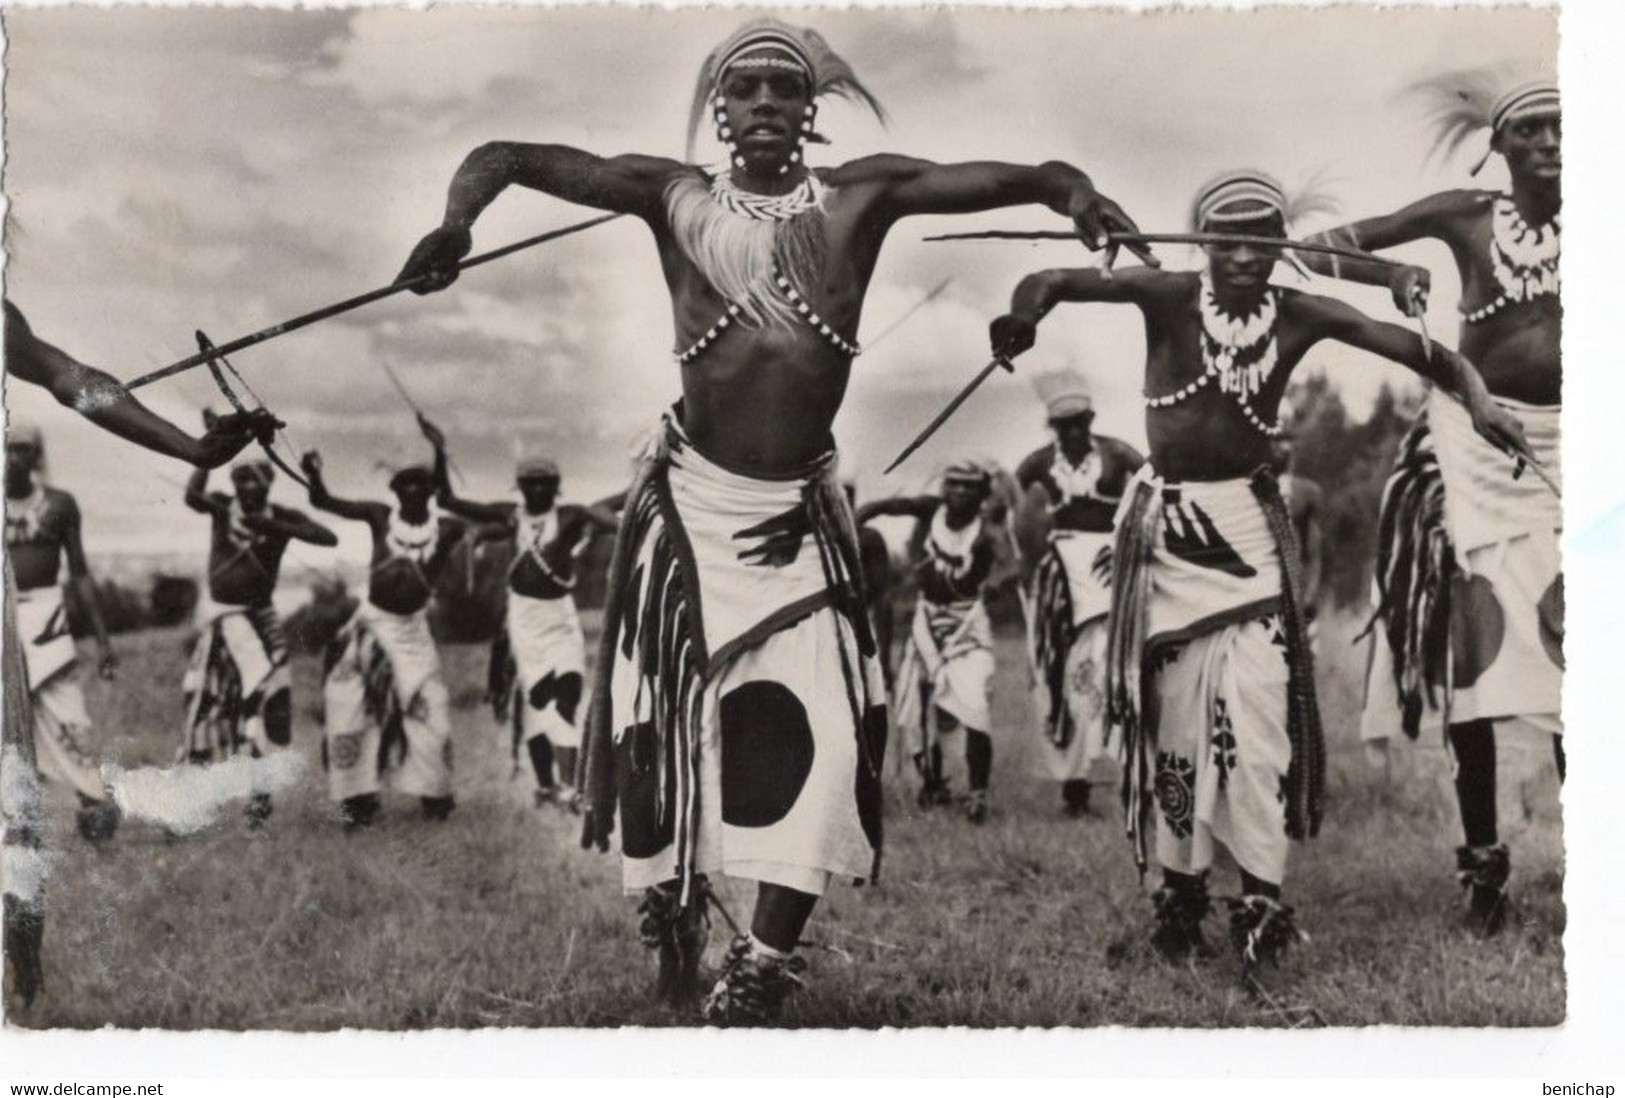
{"x": 740, "y": 600}
{"x": 1077, "y": 550}
{"x": 1219, "y": 714}
{"x": 262, "y": 670}
{"x": 1202, "y": 525}
{"x": 1223, "y": 750}
{"x": 1483, "y": 504}
{"x": 947, "y": 664}
{"x": 47, "y": 645}
{"x": 1506, "y": 616}
{"x": 769, "y": 629}
{"x": 61, "y": 721}
{"x": 353, "y": 736}
{"x": 545, "y": 638}
{"x": 1093, "y": 742}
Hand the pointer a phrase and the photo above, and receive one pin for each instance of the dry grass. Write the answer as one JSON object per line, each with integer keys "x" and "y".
{"x": 498, "y": 919}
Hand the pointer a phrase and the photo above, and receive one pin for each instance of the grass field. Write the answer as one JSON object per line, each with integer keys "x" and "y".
{"x": 496, "y": 918}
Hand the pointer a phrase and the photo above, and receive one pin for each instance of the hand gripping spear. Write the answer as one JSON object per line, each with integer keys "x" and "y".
{"x": 329, "y": 311}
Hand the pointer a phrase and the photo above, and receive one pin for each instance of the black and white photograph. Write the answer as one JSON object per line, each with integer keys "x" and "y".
{"x": 859, "y": 519}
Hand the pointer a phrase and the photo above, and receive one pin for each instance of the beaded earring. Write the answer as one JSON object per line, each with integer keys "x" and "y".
{"x": 801, "y": 137}
{"x": 725, "y": 133}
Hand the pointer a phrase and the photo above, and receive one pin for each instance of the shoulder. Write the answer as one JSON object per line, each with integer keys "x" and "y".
{"x": 1447, "y": 212}
{"x": 880, "y": 168}
{"x": 1163, "y": 287}
{"x": 1036, "y": 463}
{"x": 1464, "y": 202}
{"x": 61, "y": 506}
{"x": 1115, "y": 450}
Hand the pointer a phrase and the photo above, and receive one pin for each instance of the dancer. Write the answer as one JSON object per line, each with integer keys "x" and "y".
{"x": 948, "y": 663}
{"x": 42, "y": 533}
{"x": 539, "y": 657}
{"x": 1469, "y": 576}
{"x": 388, "y": 712}
{"x": 1224, "y": 743}
{"x": 238, "y": 694}
{"x": 737, "y": 517}
{"x": 1077, "y": 481}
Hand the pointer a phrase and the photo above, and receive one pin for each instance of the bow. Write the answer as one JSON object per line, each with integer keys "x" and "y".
{"x": 219, "y": 365}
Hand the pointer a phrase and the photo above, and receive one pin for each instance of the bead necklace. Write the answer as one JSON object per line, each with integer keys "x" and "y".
{"x": 1237, "y": 351}
{"x": 1524, "y": 259}
{"x": 807, "y": 195}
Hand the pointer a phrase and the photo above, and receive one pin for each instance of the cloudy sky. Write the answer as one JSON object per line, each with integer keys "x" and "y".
{"x": 217, "y": 168}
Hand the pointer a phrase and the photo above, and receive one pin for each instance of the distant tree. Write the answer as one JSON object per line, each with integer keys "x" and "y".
{"x": 123, "y": 610}
{"x": 1350, "y": 461}
{"x": 173, "y": 599}
{"x": 471, "y": 596}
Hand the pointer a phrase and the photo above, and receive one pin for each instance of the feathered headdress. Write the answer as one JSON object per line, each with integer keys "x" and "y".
{"x": 1458, "y": 105}
{"x": 1064, "y": 391}
{"x": 1251, "y": 195}
{"x": 799, "y": 48}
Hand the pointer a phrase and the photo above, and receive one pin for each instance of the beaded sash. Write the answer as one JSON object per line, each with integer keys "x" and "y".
{"x": 1523, "y": 257}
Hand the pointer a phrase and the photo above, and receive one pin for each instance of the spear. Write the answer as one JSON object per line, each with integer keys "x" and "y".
{"x": 1130, "y": 239}
{"x": 329, "y": 311}
{"x": 952, "y": 407}
{"x": 417, "y": 410}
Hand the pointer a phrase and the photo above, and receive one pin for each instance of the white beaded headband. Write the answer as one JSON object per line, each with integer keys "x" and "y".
{"x": 1210, "y": 205}
{"x": 1535, "y": 98}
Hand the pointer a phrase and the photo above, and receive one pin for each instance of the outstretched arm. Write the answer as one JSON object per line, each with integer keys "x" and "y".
{"x": 1037, "y": 294}
{"x": 912, "y": 186}
{"x": 373, "y": 514}
{"x": 620, "y": 184}
{"x": 100, "y": 398}
{"x": 1331, "y": 319}
{"x": 916, "y": 507}
{"x": 501, "y": 513}
{"x": 1432, "y": 218}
